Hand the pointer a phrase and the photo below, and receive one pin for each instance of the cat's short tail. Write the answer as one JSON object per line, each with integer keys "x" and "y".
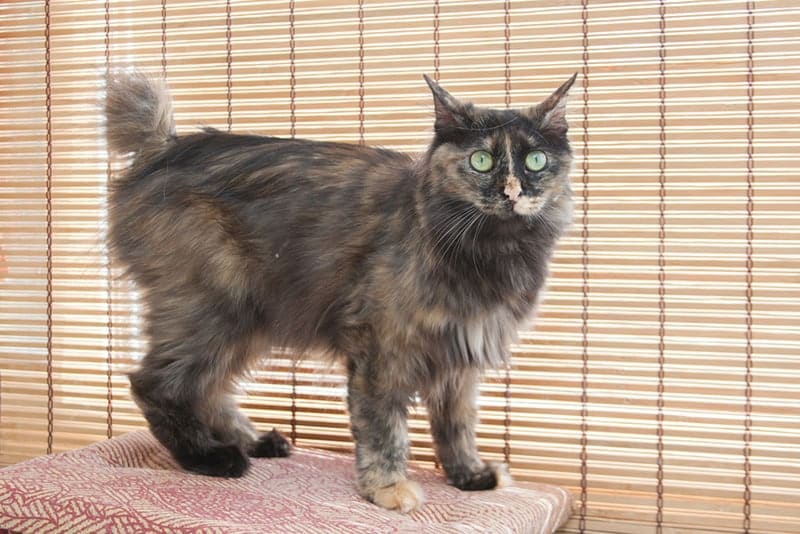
{"x": 138, "y": 112}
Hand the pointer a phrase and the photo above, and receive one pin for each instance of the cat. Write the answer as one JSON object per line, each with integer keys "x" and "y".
{"x": 415, "y": 272}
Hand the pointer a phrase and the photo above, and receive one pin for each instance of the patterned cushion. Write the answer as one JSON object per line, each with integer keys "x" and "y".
{"x": 130, "y": 484}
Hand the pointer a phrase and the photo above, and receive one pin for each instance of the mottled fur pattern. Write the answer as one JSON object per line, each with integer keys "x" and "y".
{"x": 415, "y": 272}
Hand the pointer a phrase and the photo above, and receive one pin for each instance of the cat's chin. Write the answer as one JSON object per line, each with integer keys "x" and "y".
{"x": 528, "y": 207}
{"x": 511, "y": 212}
{"x": 501, "y": 210}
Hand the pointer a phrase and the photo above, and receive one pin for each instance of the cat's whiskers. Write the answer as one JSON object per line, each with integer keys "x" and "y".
{"x": 475, "y": 234}
{"x": 445, "y": 242}
{"x": 472, "y": 223}
{"x": 459, "y": 248}
{"x": 447, "y": 227}
{"x": 546, "y": 222}
{"x": 457, "y": 241}
{"x": 450, "y": 224}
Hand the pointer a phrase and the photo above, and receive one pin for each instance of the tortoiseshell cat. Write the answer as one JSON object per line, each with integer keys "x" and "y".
{"x": 415, "y": 272}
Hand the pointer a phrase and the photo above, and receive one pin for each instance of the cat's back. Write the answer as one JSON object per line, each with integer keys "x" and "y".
{"x": 213, "y": 159}
{"x": 260, "y": 183}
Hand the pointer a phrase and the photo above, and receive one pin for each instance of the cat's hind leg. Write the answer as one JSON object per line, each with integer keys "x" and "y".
{"x": 177, "y": 419}
{"x": 183, "y": 381}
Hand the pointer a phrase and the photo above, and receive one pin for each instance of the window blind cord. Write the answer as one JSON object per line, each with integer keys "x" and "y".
{"x": 164, "y": 39}
{"x": 361, "y": 93}
{"x": 109, "y": 278}
{"x": 662, "y": 314}
{"x": 748, "y": 405}
{"x": 229, "y": 63}
{"x": 584, "y": 442}
{"x": 49, "y": 208}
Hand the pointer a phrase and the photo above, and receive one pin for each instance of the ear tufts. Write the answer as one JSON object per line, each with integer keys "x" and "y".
{"x": 552, "y": 113}
{"x": 448, "y": 110}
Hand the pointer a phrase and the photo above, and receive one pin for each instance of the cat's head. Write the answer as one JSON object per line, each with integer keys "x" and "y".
{"x": 508, "y": 163}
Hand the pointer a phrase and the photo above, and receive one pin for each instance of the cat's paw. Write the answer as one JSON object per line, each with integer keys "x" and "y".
{"x": 270, "y": 445}
{"x": 501, "y": 474}
{"x": 219, "y": 461}
{"x": 404, "y": 496}
{"x": 493, "y": 475}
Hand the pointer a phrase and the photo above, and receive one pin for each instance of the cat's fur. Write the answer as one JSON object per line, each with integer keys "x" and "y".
{"x": 415, "y": 272}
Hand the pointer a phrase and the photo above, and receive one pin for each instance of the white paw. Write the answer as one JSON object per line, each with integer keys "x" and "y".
{"x": 501, "y": 474}
{"x": 404, "y": 496}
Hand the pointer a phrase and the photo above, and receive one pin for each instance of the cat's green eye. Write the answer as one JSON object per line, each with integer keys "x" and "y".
{"x": 481, "y": 161}
{"x": 536, "y": 160}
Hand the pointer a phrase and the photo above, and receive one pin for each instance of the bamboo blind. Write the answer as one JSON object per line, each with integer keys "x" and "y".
{"x": 660, "y": 382}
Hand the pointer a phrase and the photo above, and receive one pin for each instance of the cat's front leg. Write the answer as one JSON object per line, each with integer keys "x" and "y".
{"x": 452, "y": 407}
{"x": 378, "y": 422}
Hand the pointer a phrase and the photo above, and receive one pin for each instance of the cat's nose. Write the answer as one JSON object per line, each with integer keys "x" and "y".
{"x": 513, "y": 190}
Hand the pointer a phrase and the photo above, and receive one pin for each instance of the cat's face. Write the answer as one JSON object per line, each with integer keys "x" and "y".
{"x": 507, "y": 163}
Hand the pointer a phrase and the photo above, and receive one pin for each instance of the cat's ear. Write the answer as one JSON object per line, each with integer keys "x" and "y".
{"x": 449, "y": 111}
{"x": 552, "y": 113}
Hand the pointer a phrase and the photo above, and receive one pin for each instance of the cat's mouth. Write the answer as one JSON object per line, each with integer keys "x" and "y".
{"x": 527, "y": 205}
{"x": 522, "y": 206}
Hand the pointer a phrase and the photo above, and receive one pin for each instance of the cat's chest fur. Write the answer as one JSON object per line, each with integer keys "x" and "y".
{"x": 461, "y": 315}
{"x": 422, "y": 344}
{"x": 479, "y": 338}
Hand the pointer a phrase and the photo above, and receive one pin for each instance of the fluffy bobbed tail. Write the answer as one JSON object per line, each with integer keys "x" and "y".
{"x": 138, "y": 112}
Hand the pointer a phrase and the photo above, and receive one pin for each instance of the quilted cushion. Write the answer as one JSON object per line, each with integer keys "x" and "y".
{"x": 131, "y": 484}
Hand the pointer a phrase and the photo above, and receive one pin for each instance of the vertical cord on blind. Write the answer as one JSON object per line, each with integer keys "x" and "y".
{"x": 229, "y": 62}
{"x": 507, "y": 390}
{"x": 292, "y": 75}
{"x": 748, "y": 405}
{"x": 662, "y": 308}
{"x": 361, "y": 129}
{"x": 49, "y": 207}
{"x": 292, "y": 134}
{"x": 585, "y": 273}
{"x": 164, "y": 39}
{"x": 109, "y": 278}
{"x": 436, "y": 60}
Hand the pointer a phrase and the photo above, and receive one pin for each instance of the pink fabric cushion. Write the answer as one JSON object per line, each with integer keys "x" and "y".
{"x": 130, "y": 484}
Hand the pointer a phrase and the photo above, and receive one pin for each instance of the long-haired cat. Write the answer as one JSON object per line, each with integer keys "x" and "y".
{"x": 414, "y": 271}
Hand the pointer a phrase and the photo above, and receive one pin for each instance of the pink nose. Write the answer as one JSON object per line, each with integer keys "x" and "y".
{"x": 513, "y": 190}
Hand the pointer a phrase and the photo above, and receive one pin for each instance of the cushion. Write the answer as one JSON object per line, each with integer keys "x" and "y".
{"x": 131, "y": 484}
